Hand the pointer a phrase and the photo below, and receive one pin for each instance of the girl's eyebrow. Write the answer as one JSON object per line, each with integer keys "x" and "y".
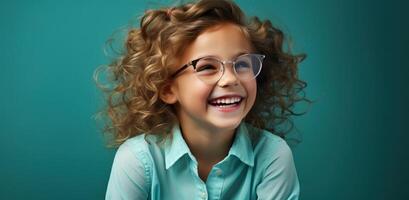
{"x": 234, "y": 56}
{"x": 241, "y": 53}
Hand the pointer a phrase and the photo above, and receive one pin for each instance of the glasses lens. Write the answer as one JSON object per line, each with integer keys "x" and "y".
{"x": 247, "y": 66}
{"x": 208, "y": 69}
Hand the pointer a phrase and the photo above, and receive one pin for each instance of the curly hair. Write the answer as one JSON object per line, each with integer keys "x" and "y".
{"x": 133, "y": 104}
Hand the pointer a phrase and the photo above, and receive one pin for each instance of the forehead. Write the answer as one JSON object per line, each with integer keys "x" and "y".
{"x": 223, "y": 41}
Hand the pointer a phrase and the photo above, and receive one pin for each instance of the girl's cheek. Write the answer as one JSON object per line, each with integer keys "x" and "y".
{"x": 253, "y": 90}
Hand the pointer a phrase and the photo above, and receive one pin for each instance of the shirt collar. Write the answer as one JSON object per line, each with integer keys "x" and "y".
{"x": 242, "y": 147}
{"x": 176, "y": 147}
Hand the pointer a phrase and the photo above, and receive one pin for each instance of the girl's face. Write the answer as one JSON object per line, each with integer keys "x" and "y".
{"x": 198, "y": 104}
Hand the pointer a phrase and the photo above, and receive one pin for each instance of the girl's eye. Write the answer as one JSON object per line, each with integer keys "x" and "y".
{"x": 206, "y": 68}
{"x": 242, "y": 66}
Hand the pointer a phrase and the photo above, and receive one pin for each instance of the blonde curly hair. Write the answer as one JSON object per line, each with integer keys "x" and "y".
{"x": 133, "y": 104}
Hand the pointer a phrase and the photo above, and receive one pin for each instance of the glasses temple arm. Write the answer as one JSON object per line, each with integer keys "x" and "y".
{"x": 179, "y": 70}
{"x": 193, "y": 63}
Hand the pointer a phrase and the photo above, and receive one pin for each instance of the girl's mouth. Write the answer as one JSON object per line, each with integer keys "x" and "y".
{"x": 226, "y": 102}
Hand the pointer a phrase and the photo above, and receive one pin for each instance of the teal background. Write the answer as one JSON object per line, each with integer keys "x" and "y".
{"x": 355, "y": 137}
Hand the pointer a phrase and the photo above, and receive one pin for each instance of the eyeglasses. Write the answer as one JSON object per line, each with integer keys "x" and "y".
{"x": 210, "y": 69}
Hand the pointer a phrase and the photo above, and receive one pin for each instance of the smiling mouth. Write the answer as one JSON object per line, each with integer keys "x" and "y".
{"x": 226, "y": 102}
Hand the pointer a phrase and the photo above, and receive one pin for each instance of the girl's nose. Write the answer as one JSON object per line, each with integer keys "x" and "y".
{"x": 228, "y": 77}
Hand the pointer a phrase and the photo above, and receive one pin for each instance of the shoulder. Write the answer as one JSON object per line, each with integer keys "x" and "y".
{"x": 270, "y": 142}
{"x": 136, "y": 143}
{"x": 131, "y": 171}
{"x": 276, "y": 167}
{"x": 132, "y": 151}
{"x": 269, "y": 147}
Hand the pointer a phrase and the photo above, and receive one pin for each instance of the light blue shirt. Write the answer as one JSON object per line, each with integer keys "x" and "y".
{"x": 259, "y": 169}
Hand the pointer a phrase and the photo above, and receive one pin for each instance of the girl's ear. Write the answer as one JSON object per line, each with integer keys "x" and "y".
{"x": 167, "y": 95}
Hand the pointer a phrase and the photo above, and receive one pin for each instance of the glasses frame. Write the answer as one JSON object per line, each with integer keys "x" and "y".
{"x": 223, "y": 62}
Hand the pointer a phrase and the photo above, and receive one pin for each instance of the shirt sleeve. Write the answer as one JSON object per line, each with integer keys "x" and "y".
{"x": 129, "y": 177}
{"x": 280, "y": 180}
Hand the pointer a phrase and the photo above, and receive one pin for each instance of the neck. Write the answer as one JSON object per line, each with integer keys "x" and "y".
{"x": 207, "y": 145}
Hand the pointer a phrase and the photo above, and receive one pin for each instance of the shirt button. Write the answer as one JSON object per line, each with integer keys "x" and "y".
{"x": 203, "y": 195}
{"x": 219, "y": 172}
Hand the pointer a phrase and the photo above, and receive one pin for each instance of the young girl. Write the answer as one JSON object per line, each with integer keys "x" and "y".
{"x": 195, "y": 92}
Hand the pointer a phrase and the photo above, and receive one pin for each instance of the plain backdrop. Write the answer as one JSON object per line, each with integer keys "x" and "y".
{"x": 355, "y": 136}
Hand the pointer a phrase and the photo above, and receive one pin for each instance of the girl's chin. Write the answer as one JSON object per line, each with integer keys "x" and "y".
{"x": 227, "y": 117}
{"x": 224, "y": 125}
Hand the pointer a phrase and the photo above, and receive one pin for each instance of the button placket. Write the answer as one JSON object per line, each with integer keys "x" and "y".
{"x": 203, "y": 195}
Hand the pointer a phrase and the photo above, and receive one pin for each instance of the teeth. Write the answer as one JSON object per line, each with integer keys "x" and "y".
{"x": 230, "y": 100}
